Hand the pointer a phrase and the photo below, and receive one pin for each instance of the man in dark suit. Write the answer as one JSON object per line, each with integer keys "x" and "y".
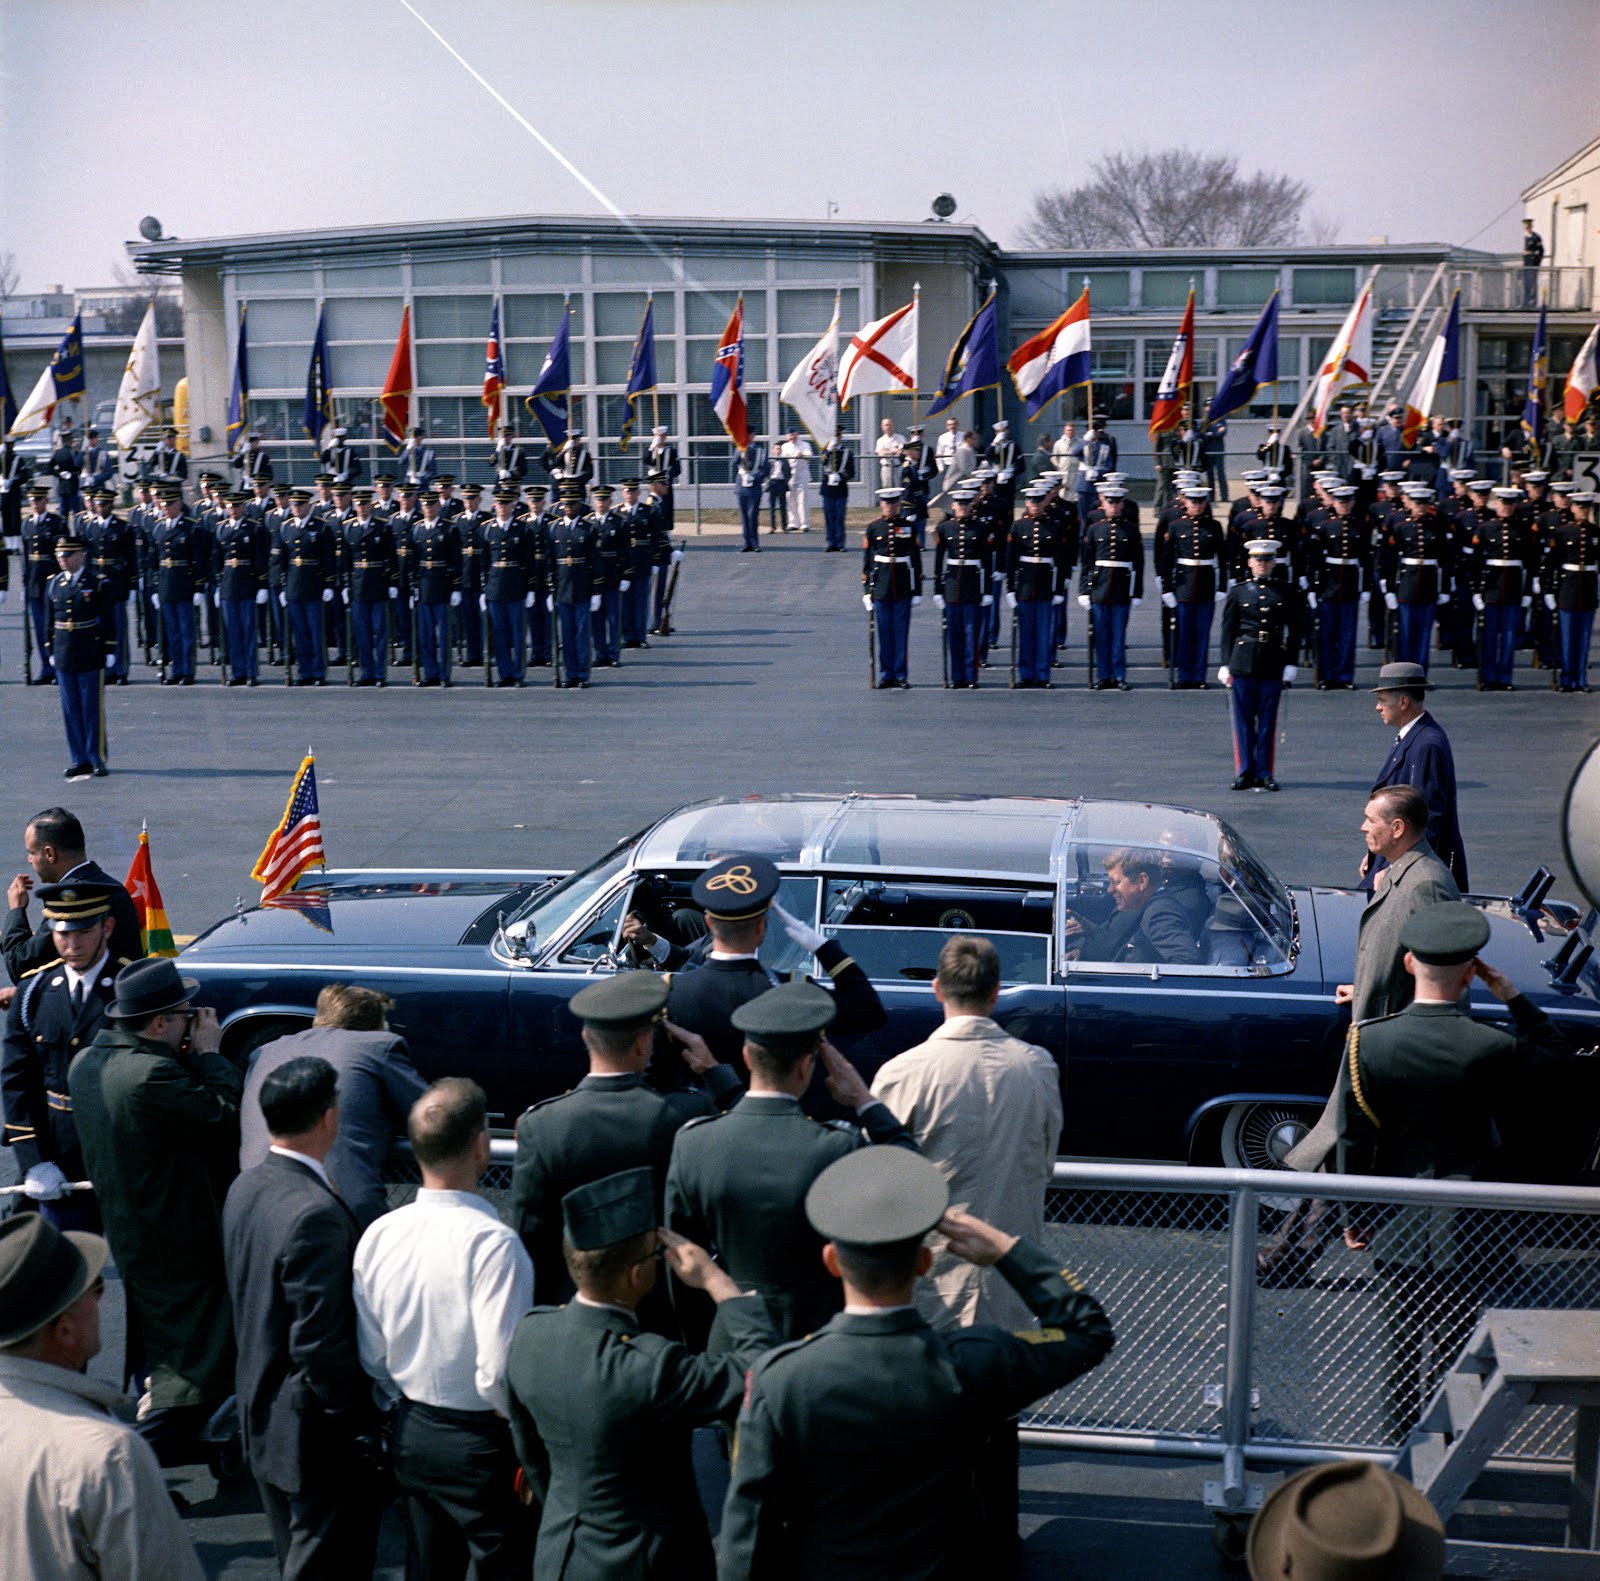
{"x": 602, "y": 1411}
{"x": 609, "y": 1122}
{"x": 739, "y": 1181}
{"x": 857, "y": 1444}
{"x": 55, "y": 847}
{"x": 377, "y": 1086}
{"x": 1420, "y": 757}
{"x": 1156, "y": 917}
{"x": 289, "y": 1243}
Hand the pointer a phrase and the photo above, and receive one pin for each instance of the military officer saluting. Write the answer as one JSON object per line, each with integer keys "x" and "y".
{"x": 1571, "y": 583}
{"x": 436, "y": 560}
{"x": 856, "y": 1444}
{"x": 58, "y": 1008}
{"x": 308, "y": 560}
{"x": 738, "y": 1181}
{"x": 891, "y": 586}
{"x": 78, "y": 605}
{"x": 241, "y": 549}
{"x": 181, "y": 553}
{"x": 961, "y": 570}
{"x": 114, "y": 558}
{"x": 1190, "y": 571}
{"x": 1111, "y": 580}
{"x": 506, "y": 596}
{"x": 1260, "y": 639}
{"x": 1038, "y": 572}
{"x": 573, "y": 598}
{"x": 602, "y": 1412}
{"x": 612, "y": 581}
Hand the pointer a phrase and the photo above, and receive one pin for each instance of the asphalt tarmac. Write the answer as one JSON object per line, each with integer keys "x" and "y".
{"x": 763, "y": 687}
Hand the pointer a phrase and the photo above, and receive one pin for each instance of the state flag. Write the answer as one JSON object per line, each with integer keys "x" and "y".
{"x": 1255, "y": 366}
{"x": 494, "y": 372}
{"x": 1440, "y": 368}
{"x": 395, "y": 397}
{"x": 812, "y": 388}
{"x": 61, "y": 380}
{"x": 881, "y": 357}
{"x": 1582, "y": 381}
{"x": 547, "y": 401}
{"x": 974, "y": 361}
{"x": 1053, "y": 361}
{"x": 727, "y": 380}
{"x": 1177, "y": 380}
{"x": 139, "y": 396}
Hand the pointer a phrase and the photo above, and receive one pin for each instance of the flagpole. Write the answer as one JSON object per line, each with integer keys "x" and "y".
{"x": 916, "y": 318}
{"x": 1089, "y": 386}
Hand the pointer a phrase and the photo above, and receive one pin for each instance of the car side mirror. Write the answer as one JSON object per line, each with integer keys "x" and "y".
{"x": 519, "y": 938}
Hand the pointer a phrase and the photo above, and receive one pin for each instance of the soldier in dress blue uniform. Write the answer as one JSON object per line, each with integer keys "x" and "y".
{"x": 917, "y": 469}
{"x": 1111, "y": 578}
{"x": 509, "y": 459}
{"x": 838, "y": 465}
{"x": 662, "y": 456}
{"x": 536, "y": 518}
{"x": 241, "y": 550}
{"x": 573, "y": 599}
{"x": 58, "y": 1008}
{"x": 1414, "y": 572}
{"x": 507, "y": 568}
{"x": 612, "y": 581}
{"x": 1338, "y": 558}
{"x": 252, "y": 462}
{"x": 40, "y": 529}
{"x": 1571, "y": 582}
{"x": 341, "y": 460}
{"x": 79, "y": 605}
{"x": 749, "y": 472}
{"x": 417, "y": 463}
{"x": 169, "y": 464}
{"x": 407, "y": 513}
{"x": 1189, "y": 569}
{"x": 1006, "y": 460}
{"x": 99, "y": 462}
{"x": 371, "y": 566}
{"x": 181, "y": 557}
{"x": 66, "y": 467}
{"x": 1038, "y": 573}
{"x": 639, "y": 526}
{"x": 465, "y": 614}
{"x": 1260, "y": 640}
{"x": 436, "y": 560}
{"x": 308, "y": 559}
{"x": 1504, "y": 561}
{"x": 664, "y": 554}
{"x": 891, "y": 582}
{"x": 113, "y": 557}
{"x": 961, "y": 571}
{"x": 1061, "y": 506}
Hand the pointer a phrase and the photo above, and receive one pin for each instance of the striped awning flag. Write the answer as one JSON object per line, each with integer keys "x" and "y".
{"x": 296, "y": 843}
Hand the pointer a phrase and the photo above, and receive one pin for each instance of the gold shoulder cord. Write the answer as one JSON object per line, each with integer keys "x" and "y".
{"x": 1355, "y": 1078}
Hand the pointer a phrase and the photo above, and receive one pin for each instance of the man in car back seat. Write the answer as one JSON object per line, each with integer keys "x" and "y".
{"x": 1151, "y": 922}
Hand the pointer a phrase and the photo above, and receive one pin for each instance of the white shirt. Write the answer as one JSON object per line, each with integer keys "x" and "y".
{"x": 440, "y": 1285}
{"x": 1408, "y": 727}
{"x": 88, "y": 977}
{"x": 945, "y": 449}
{"x": 313, "y": 1164}
{"x": 890, "y": 444}
{"x": 798, "y": 454}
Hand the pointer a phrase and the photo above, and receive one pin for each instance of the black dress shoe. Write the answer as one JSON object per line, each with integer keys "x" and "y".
{"x": 1244, "y": 782}
{"x": 252, "y": 682}
{"x": 78, "y": 771}
{"x": 1268, "y": 784}
{"x": 1124, "y": 686}
{"x": 101, "y": 771}
{"x": 185, "y": 680}
{"x": 885, "y": 686}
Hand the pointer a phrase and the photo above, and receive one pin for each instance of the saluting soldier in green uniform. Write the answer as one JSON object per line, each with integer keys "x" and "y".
{"x": 738, "y": 1181}
{"x": 1425, "y": 1089}
{"x": 602, "y": 1413}
{"x": 856, "y": 1446}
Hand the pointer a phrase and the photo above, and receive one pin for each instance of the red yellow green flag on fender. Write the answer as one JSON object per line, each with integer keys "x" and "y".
{"x": 154, "y": 929}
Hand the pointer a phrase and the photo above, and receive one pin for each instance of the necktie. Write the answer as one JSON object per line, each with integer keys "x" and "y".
{"x": 77, "y": 998}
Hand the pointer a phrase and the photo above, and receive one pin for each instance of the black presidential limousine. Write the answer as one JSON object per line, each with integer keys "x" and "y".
{"x": 1222, "y": 1057}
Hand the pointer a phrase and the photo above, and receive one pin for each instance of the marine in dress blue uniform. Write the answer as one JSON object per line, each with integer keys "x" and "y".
{"x": 1338, "y": 558}
{"x": 1260, "y": 638}
{"x": 241, "y": 549}
{"x": 1111, "y": 578}
{"x": 371, "y": 565}
{"x": 891, "y": 581}
{"x": 1189, "y": 568}
{"x": 573, "y": 596}
{"x": 1504, "y": 562}
{"x": 961, "y": 572}
{"x": 308, "y": 560}
{"x": 114, "y": 558}
{"x": 1571, "y": 583}
{"x": 1038, "y": 573}
{"x": 78, "y": 604}
{"x": 1414, "y": 571}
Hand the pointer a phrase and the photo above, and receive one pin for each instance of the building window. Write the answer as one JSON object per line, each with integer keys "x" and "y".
{"x": 280, "y": 320}
{"x": 1111, "y": 369}
{"x": 451, "y": 317}
{"x": 1169, "y": 287}
{"x": 560, "y": 269}
{"x": 622, "y": 313}
{"x": 709, "y": 315}
{"x": 1108, "y": 288}
{"x": 1245, "y": 287}
{"x": 1324, "y": 287}
{"x": 534, "y": 317}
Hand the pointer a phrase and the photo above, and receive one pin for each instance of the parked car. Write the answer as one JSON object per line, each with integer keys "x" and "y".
{"x": 1223, "y": 1057}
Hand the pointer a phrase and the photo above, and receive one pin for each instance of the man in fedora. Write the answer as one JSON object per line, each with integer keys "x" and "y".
{"x": 1346, "y": 1519}
{"x": 157, "y": 1110}
{"x": 81, "y": 1495}
{"x": 1420, "y": 757}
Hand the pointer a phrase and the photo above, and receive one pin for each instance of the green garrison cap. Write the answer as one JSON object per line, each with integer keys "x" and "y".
{"x": 737, "y": 887}
{"x": 628, "y": 999}
{"x": 877, "y": 1196}
{"x": 610, "y": 1210}
{"x": 1448, "y": 934}
{"x": 789, "y": 1013}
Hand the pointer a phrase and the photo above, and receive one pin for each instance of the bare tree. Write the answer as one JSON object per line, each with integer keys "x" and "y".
{"x": 124, "y": 315}
{"x": 10, "y": 274}
{"x": 1173, "y": 197}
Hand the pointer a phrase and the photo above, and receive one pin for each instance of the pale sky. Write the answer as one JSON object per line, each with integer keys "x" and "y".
{"x": 1418, "y": 121}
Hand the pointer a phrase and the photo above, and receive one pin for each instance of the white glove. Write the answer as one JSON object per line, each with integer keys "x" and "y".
{"x": 1170, "y": 600}
{"x": 327, "y": 595}
{"x": 216, "y": 599}
{"x": 1390, "y": 601}
{"x": 1443, "y": 598}
{"x": 111, "y": 661}
{"x": 530, "y": 601}
{"x": 1137, "y": 602}
{"x": 261, "y": 595}
{"x": 1005, "y": 475}
{"x": 45, "y": 1182}
{"x": 833, "y": 480}
{"x": 999, "y": 579}
{"x": 1291, "y": 672}
{"x": 1536, "y": 587}
{"x": 283, "y": 601}
{"x": 677, "y": 555}
{"x": 1011, "y": 600}
{"x": 1304, "y": 585}
{"x": 1083, "y": 601}
{"x": 938, "y": 600}
{"x": 155, "y": 601}
{"x": 394, "y": 592}
{"x": 455, "y": 600}
{"x": 1366, "y": 596}
{"x": 798, "y": 932}
{"x": 594, "y": 605}
{"x": 199, "y": 601}
{"x": 622, "y": 587}
{"x": 1477, "y": 601}
{"x": 1060, "y": 598}
{"x": 1527, "y": 601}
{"x": 1224, "y": 675}
{"x": 988, "y": 600}
{"x": 483, "y": 604}
{"x": 916, "y": 598}
{"x": 1311, "y": 599}
{"x": 344, "y": 593}
{"x": 1549, "y": 601}
{"x": 866, "y": 601}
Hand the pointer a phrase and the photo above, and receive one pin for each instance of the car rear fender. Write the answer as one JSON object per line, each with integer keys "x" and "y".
{"x": 246, "y": 1030}
{"x": 1207, "y": 1119}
